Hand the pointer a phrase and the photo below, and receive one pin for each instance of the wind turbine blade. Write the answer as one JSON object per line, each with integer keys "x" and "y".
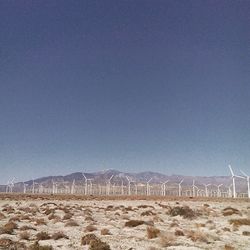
{"x": 243, "y": 173}
{"x": 231, "y": 170}
{"x": 238, "y": 176}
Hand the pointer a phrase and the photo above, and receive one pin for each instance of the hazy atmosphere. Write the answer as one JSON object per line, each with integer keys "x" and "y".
{"x": 130, "y": 85}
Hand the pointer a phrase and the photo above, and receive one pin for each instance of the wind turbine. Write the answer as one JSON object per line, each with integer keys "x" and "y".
{"x": 11, "y": 185}
{"x": 86, "y": 183}
{"x": 218, "y": 190}
{"x": 206, "y": 190}
{"x": 148, "y": 186}
{"x": 247, "y": 178}
{"x": 163, "y": 188}
{"x": 129, "y": 186}
{"x": 109, "y": 185}
{"x": 180, "y": 187}
{"x": 233, "y": 179}
{"x": 72, "y": 190}
{"x": 193, "y": 188}
{"x": 24, "y": 187}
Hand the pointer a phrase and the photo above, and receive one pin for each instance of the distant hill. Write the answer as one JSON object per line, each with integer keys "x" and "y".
{"x": 101, "y": 177}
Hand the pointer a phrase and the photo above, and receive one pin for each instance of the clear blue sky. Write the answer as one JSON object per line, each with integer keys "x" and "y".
{"x": 132, "y": 85}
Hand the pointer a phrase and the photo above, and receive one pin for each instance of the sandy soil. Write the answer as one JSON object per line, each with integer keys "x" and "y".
{"x": 165, "y": 223}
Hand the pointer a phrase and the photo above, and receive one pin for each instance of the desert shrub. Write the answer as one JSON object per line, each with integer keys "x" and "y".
{"x": 8, "y": 209}
{"x": 148, "y": 213}
{"x": 67, "y": 216}
{"x": 167, "y": 239}
{"x": 43, "y": 236}
{"x": 145, "y": 206}
{"x": 240, "y": 222}
{"x": 49, "y": 211}
{"x": 174, "y": 224}
{"x": 2, "y": 216}
{"x": 15, "y": 218}
{"x": 206, "y": 205}
{"x": 40, "y": 221}
{"x": 133, "y": 223}
{"x": 54, "y": 217}
{"x": 25, "y": 227}
{"x": 59, "y": 235}
{"x": 89, "y": 218}
{"x": 24, "y": 235}
{"x": 71, "y": 223}
{"x": 24, "y": 217}
{"x": 246, "y": 233}
{"x": 229, "y": 211}
{"x": 178, "y": 232}
{"x": 105, "y": 231}
{"x": 152, "y": 232}
{"x": 36, "y": 246}
{"x": 197, "y": 236}
{"x": 5, "y": 243}
{"x": 87, "y": 238}
{"x": 8, "y": 228}
{"x": 185, "y": 211}
{"x": 157, "y": 218}
{"x": 90, "y": 228}
{"x": 226, "y": 229}
{"x": 98, "y": 245}
{"x": 228, "y": 247}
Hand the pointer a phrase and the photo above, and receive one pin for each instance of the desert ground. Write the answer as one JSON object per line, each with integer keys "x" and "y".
{"x": 147, "y": 223}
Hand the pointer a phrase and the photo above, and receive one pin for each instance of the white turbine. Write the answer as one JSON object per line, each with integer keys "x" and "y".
{"x": 86, "y": 184}
{"x": 206, "y": 190}
{"x": 163, "y": 188}
{"x": 72, "y": 190}
{"x": 148, "y": 186}
{"x": 109, "y": 185}
{"x": 218, "y": 190}
{"x": 233, "y": 179}
{"x": 193, "y": 188}
{"x": 180, "y": 187}
{"x": 247, "y": 178}
{"x": 24, "y": 187}
{"x": 129, "y": 186}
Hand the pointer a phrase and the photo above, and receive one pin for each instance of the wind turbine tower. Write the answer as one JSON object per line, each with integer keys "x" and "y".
{"x": 248, "y": 186}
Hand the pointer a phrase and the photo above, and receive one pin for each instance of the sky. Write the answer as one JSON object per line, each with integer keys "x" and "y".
{"x": 135, "y": 86}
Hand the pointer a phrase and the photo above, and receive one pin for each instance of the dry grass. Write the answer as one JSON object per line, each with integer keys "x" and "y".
{"x": 2, "y": 216}
{"x": 90, "y": 228}
{"x": 36, "y": 246}
{"x": 152, "y": 232}
{"x": 167, "y": 240}
{"x": 185, "y": 211}
{"x": 5, "y": 243}
{"x": 67, "y": 216}
{"x": 228, "y": 247}
{"x": 40, "y": 221}
{"x": 240, "y": 222}
{"x": 71, "y": 223}
{"x": 8, "y": 228}
{"x": 197, "y": 236}
{"x": 98, "y": 245}
{"x": 134, "y": 223}
{"x": 105, "y": 231}
{"x": 25, "y": 227}
{"x": 86, "y": 239}
{"x": 178, "y": 232}
{"x": 25, "y": 235}
{"x": 59, "y": 235}
{"x": 43, "y": 236}
{"x": 148, "y": 213}
{"x": 230, "y": 211}
{"x": 246, "y": 233}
